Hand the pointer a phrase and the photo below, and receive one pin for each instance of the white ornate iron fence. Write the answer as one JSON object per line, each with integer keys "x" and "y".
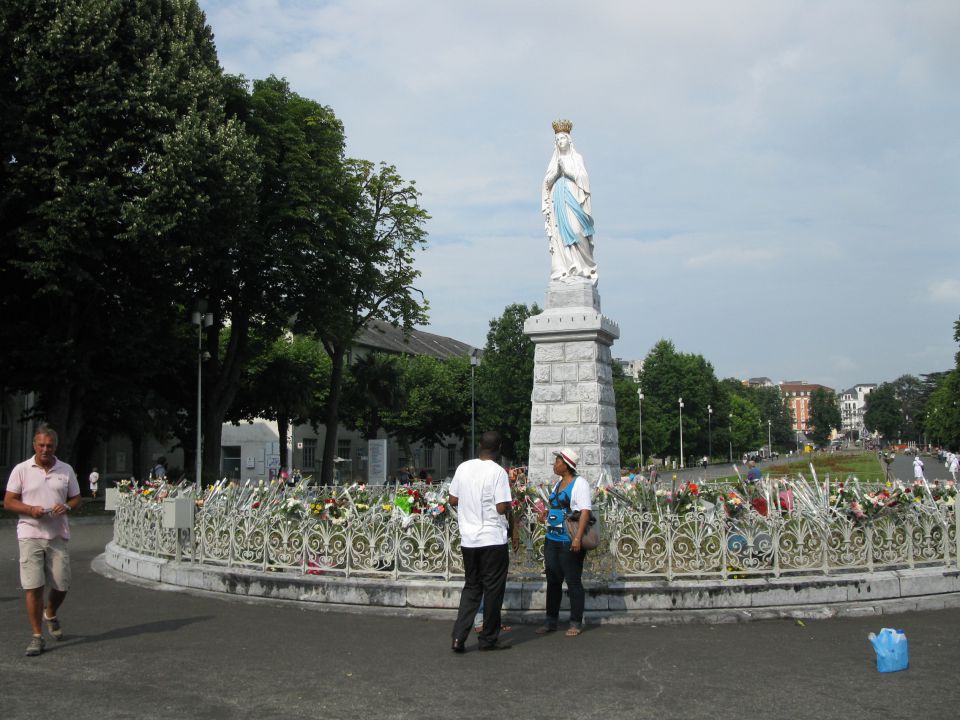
{"x": 358, "y": 532}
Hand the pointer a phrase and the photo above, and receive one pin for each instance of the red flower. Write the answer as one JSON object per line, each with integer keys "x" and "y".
{"x": 694, "y": 490}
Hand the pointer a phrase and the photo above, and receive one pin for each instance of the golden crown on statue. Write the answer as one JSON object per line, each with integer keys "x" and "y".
{"x": 562, "y": 126}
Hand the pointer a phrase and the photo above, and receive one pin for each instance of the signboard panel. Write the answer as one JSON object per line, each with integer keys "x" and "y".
{"x": 377, "y": 465}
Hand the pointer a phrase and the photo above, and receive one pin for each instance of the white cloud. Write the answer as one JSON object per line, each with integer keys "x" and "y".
{"x": 944, "y": 291}
{"x": 773, "y": 182}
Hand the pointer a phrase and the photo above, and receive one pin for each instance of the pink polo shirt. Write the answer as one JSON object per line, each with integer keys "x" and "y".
{"x": 46, "y": 488}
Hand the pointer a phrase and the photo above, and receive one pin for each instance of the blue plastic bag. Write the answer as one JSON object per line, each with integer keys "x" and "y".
{"x": 891, "y": 648}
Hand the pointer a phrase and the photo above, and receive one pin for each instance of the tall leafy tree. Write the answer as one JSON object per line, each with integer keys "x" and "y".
{"x": 882, "y": 413}
{"x": 747, "y": 431}
{"x": 94, "y": 93}
{"x": 505, "y": 381}
{"x": 667, "y": 377}
{"x": 912, "y": 394}
{"x": 628, "y": 416}
{"x": 364, "y": 272}
{"x": 255, "y": 277}
{"x": 824, "y": 414}
{"x": 942, "y": 416}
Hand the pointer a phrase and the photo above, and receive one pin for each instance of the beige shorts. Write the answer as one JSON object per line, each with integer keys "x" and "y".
{"x": 44, "y": 562}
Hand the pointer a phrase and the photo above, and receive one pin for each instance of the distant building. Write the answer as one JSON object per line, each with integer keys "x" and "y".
{"x": 760, "y": 382}
{"x": 853, "y": 405}
{"x": 252, "y": 450}
{"x": 631, "y": 368}
{"x": 796, "y": 395}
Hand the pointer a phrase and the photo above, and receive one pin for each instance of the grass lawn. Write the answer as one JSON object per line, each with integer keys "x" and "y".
{"x": 866, "y": 466}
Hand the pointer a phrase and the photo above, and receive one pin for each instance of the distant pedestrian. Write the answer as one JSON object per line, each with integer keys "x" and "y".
{"x": 42, "y": 490}
{"x": 94, "y": 480}
{"x": 480, "y": 491}
{"x": 160, "y": 469}
{"x": 918, "y": 468}
{"x": 953, "y": 465}
{"x": 753, "y": 473}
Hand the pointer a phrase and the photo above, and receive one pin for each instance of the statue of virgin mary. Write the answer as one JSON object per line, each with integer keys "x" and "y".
{"x": 567, "y": 209}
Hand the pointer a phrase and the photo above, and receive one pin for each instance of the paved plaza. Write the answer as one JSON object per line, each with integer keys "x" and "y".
{"x": 135, "y": 652}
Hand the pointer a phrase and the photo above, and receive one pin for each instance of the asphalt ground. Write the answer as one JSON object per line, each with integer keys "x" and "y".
{"x": 139, "y": 652}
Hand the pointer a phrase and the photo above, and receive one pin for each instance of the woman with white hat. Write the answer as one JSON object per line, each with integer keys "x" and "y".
{"x": 562, "y": 553}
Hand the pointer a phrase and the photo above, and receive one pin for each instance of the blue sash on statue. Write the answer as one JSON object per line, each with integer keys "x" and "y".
{"x": 563, "y": 198}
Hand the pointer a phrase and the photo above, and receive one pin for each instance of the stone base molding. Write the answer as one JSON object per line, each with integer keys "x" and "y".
{"x": 643, "y": 601}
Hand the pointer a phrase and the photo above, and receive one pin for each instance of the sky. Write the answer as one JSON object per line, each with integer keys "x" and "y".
{"x": 776, "y": 185}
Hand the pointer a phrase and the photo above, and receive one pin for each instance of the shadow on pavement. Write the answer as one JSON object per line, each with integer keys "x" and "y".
{"x": 160, "y": 626}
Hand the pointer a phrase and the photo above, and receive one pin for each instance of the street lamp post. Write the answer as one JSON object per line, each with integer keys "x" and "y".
{"x": 680, "y": 400}
{"x": 709, "y": 432}
{"x": 202, "y": 320}
{"x": 769, "y": 444}
{"x": 640, "y": 403}
{"x": 730, "y": 435}
{"x": 474, "y": 361}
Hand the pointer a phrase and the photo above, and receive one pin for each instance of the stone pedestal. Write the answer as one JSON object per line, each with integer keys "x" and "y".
{"x": 573, "y": 402}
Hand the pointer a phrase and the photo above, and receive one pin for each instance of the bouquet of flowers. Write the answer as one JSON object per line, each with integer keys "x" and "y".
{"x": 327, "y": 508}
{"x": 292, "y": 508}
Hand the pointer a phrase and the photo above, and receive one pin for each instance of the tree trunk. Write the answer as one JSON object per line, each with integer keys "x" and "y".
{"x": 283, "y": 430}
{"x": 333, "y": 414}
{"x": 221, "y": 378}
{"x": 84, "y": 462}
{"x": 64, "y": 412}
{"x": 136, "y": 456}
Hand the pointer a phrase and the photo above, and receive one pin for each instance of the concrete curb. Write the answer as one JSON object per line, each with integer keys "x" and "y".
{"x": 654, "y": 601}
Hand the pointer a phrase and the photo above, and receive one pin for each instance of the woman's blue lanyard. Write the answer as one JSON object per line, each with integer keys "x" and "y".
{"x": 559, "y": 505}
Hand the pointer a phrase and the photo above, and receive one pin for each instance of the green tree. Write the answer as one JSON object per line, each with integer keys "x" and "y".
{"x": 912, "y": 394}
{"x": 374, "y": 388}
{"x": 92, "y": 96}
{"x": 287, "y": 383}
{"x": 882, "y": 412}
{"x": 256, "y": 278}
{"x": 628, "y": 416}
{"x": 504, "y": 381}
{"x": 942, "y": 416}
{"x": 436, "y": 400}
{"x": 747, "y": 432}
{"x": 824, "y": 414}
{"x": 364, "y": 272}
{"x": 668, "y": 376}
{"x": 771, "y": 408}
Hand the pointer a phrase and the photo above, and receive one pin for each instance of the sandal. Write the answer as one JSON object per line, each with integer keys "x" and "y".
{"x": 573, "y": 631}
{"x": 545, "y": 629}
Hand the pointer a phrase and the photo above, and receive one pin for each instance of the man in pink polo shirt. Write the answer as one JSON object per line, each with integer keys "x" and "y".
{"x": 42, "y": 490}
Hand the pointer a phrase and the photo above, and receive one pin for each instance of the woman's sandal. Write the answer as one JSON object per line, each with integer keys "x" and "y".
{"x": 545, "y": 629}
{"x": 573, "y": 632}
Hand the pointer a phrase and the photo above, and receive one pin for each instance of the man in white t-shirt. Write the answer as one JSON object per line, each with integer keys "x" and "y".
{"x": 94, "y": 480}
{"x": 481, "y": 493}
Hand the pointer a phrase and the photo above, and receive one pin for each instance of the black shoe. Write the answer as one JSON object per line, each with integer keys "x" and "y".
{"x": 458, "y": 646}
{"x": 498, "y": 645}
